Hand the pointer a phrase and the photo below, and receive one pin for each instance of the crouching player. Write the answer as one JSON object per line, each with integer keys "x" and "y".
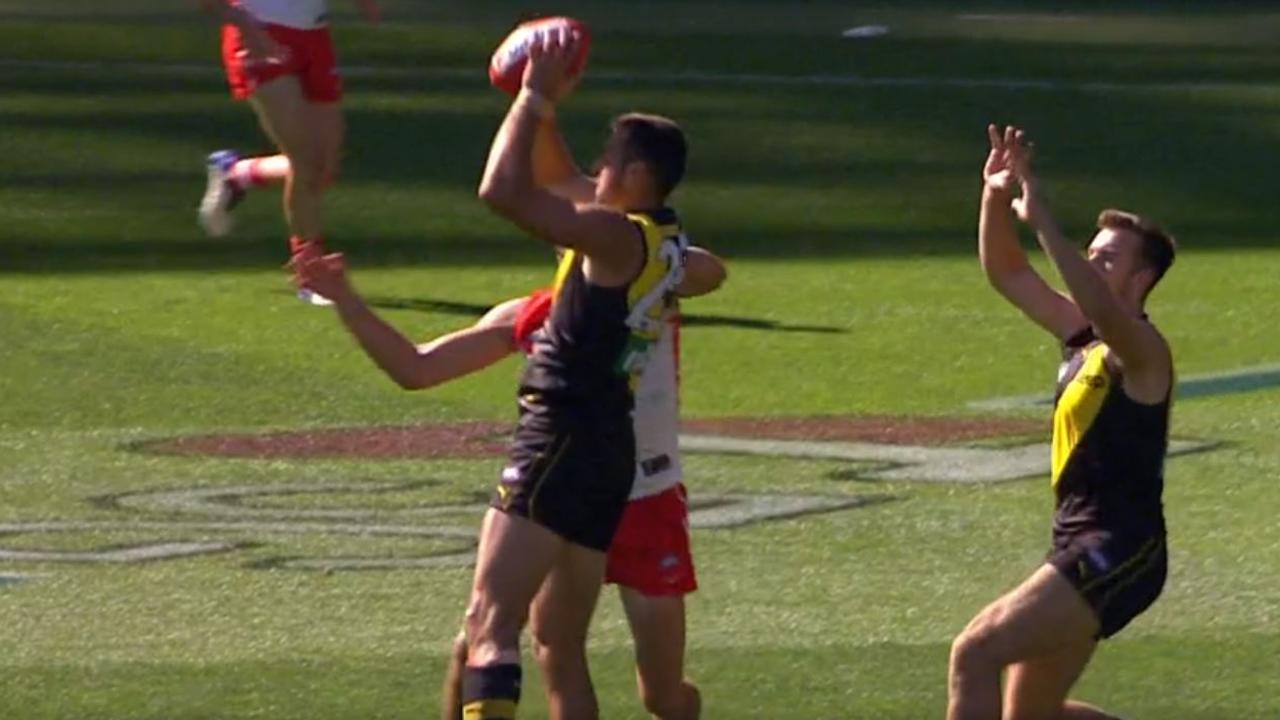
{"x": 1110, "y": 434}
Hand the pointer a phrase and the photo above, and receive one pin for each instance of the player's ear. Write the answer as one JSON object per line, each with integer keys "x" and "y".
{"x": 636, "y": 174}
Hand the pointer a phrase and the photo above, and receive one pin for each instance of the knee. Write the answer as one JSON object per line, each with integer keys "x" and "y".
{"x": 309, "y": 173}
{"x": 492, "y": 627}
{"x": 329, "y": 173}
{"x": 557, "y": 652}
{"x": 974, "y": 648}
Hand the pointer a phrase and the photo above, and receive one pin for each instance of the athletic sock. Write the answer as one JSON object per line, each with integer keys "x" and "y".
{"x": 491, "y": 692}
{"x": 297, "y": 243}
{"x": 258, "y": 171}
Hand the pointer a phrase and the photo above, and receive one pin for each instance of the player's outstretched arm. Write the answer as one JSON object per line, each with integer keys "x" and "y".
{"x": 412, "y": 367}
{"x": 1003, "y": 260}
{"x": 605, "y": 236}
{"x": 1141, "y": 348}
{"x": 703, "y": 273}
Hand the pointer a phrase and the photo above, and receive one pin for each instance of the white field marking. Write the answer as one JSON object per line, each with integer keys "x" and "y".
{"x": 1247, "y": 379}
{"x": 716, "y": 511}
{"x": 7, "y": 579}
{"x": 228, "y": 502}
{"x": 865, "y": 31}
{"x": 688, "y": 77}
{"x": 910, "y": 462}
{"x": 1019, "y": 17}
{"x": 132, "y": 554}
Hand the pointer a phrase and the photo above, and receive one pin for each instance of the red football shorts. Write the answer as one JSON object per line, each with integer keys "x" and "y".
{"x": 650, "y": 551}
{"x": 310, "y": 58}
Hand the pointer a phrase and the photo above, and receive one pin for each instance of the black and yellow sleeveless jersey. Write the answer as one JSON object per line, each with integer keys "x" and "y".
{"x": 1108, "y": 449}
{"x": 597, "y": 339}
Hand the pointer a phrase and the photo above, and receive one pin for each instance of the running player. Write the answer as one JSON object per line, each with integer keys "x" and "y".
{"x": 650, "y": 557}
{"x": 1110, "y": 435}
{"x": 279, "y": 57}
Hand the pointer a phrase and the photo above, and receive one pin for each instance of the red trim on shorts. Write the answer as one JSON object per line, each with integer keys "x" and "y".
{"x": 311, "y": 58}
{"x": 651, "y": 551}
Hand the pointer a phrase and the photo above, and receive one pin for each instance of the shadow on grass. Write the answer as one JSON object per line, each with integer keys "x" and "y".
{"x": 784, "y": 169}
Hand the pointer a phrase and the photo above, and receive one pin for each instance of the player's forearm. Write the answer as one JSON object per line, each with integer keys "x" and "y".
{"x": 1083, "y": 282}
{"x": 998, "y": 249}
{"x": 387, "y": 347}
{"x": 508, "y": 174}
{"x": 552, "y": 161}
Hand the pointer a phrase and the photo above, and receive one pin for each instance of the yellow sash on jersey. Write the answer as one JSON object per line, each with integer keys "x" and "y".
{"x": 650, "y": 293}
{"x": 1079, "y": 406}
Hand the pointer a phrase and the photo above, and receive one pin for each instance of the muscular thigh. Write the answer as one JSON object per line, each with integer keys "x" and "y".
{"x": 561, "y": 612}
{"x": 1043, "y": 616}
{"x": 1037, "y": 688}
{"x": 286, "y": 117}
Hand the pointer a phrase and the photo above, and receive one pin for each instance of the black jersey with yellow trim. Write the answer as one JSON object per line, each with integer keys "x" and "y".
{"x": 597, "y": 339}
{"x": 1108, "y": 449}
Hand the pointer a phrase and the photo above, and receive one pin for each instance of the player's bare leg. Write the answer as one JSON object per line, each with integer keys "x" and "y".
{"x": 451, "y": 693}
{"x": 1042, "y": 618}
{"x": 514, "y": 557}
{"x": 1036, "y": 688}
{"x": 260, "y": 170}
{"x": 658, "y": 629}
{"x": 286, "y": 116}
{"x": 561, "y": 615}
{"x": 1076, "y": 710}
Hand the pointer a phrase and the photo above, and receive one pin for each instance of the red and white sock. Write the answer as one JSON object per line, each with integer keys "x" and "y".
{"x": 296, "y": 244}
{"x": 258, "y": 171}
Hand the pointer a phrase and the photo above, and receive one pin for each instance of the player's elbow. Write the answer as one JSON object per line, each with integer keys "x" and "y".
{"x": 411, "y": 382}
{"x": 499, "y": 195}
{"x": 703, "y": 273}
{"x": 415, "y": 379}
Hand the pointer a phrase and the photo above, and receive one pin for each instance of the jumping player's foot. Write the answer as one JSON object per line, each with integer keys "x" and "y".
{"x": 220, "y": 194}
{"x": 311, "y": 297}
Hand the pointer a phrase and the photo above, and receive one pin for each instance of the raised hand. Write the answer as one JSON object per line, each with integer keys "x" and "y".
{"x": 550, "y": 56}
{"x": 323, "y": 274}
{"x": 999, "y": 174}
{"x": 1030, "y": 207}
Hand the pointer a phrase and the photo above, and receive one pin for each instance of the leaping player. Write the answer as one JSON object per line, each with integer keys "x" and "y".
{"x": 279, "y": 56}
{"x": 1110, "y": 435}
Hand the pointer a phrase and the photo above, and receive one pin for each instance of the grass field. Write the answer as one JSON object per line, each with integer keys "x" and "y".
{"x": 838, "y": 177}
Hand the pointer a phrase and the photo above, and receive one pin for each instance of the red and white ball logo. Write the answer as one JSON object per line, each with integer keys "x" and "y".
{"x": 506, "y": 68}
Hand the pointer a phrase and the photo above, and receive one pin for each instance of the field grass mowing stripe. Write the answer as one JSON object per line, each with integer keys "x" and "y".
{"x": 689, "y": 77}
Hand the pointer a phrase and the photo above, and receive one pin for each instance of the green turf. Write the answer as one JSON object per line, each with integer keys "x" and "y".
{"x": 846, "y": 213}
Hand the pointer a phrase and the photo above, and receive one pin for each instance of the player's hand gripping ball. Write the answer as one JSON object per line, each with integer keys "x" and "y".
{"x": 506, "y": 68}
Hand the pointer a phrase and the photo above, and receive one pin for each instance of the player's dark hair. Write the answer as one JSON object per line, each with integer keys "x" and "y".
{"x": 656, "y": 141}
{"x": 1158, "y": 246}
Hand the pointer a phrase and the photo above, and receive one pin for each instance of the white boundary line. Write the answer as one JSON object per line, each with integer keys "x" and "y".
{"x": 687, "y": 77}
